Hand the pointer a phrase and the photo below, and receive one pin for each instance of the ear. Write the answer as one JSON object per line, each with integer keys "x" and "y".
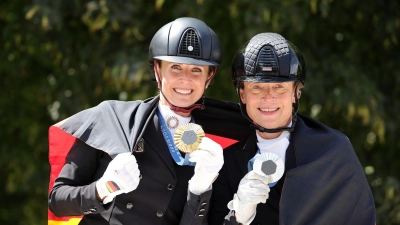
{"x": 241, "y": 94}
{"x": 208, "y": 83}
{"x": 156, "y": 69}
{"x": 298, "y": 94}
{"x": 157, "y": 73}
{"x": 209, "y": 79}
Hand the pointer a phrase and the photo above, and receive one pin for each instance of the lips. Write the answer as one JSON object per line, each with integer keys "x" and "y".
{"x": 183, "y": 91}
{"x": 268, "y": 110}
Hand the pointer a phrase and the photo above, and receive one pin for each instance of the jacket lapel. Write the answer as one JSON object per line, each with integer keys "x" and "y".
{"x": 146, "y": 127}
{"x": 244, "y": 155}
{"x": 143, "y": 115}
{"x": 160, "y": 146}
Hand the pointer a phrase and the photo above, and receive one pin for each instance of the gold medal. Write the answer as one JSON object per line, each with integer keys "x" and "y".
{"x": 187, "y": 137}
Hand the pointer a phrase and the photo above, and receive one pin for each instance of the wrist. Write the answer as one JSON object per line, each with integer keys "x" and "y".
{"x": 98, "y": 196}
{"x": 198, "y": 187}
{"x": 243, "y": 212}
{"x": 234, "y": 216}
{"x": 101, "y": 192}
{"x": 246, "y": 218}
{"x": 201, "y": 183}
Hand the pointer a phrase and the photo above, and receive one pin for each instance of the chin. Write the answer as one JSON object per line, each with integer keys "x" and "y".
{"x": 182, "y": 104}
{"x": 270, "y": 125}
{"x": 186, "y": 102}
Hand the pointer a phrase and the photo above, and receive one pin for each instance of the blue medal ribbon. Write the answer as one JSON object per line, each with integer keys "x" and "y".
{"x": 176, "y": 155}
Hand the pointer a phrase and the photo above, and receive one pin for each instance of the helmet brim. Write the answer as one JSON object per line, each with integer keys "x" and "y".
{"x": 186, "y": 60}
{"x": 264, "y": 79}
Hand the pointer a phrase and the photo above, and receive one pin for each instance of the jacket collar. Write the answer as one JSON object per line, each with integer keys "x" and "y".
{"x": 143, "y": 115}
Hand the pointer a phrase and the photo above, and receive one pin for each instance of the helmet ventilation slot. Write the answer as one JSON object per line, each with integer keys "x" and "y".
{"x": 267, "y": 61}
{"x": 189, "y": 45}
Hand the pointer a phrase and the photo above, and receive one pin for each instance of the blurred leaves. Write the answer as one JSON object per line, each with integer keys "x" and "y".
{"x": 60, "y": 57}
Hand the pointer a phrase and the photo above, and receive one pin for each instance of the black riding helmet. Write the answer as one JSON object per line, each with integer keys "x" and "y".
{"x": 188, "y": 41}
{"x": 268, "y": 58}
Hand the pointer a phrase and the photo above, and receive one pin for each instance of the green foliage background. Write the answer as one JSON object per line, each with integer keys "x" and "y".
{"x": 59, "y": 57}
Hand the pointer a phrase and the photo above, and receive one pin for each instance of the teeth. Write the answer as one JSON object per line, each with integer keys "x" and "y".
{"x": 268, "y": 110}
{"x": 182, "y": 91}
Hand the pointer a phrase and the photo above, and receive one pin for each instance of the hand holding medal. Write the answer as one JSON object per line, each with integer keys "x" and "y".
{"x": 187, "y": 137}
{"x": 206, "y": 153}
{"x": 254, "y": 187}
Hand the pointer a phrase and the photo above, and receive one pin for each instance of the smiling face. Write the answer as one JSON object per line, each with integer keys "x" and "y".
{"x": 269, "y": 104}
{"x": 182, "y": 84}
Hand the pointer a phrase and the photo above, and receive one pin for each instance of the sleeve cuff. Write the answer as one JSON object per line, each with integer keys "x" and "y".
{"x": 94, "y": 205}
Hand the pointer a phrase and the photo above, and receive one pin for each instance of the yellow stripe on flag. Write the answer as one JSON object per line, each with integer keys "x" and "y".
{"x": 72, "y": 221}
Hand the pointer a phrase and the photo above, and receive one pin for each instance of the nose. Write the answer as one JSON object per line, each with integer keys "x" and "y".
{"x": 185, "y": 76}
{"x": 268, "y": 94}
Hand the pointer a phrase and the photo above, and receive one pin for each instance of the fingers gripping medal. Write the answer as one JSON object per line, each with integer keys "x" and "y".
{"x": 269, "y": 164}
{"x": 187, "y": 137}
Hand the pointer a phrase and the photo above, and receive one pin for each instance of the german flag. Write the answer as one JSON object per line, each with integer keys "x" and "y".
{"x": 221, "y": 121}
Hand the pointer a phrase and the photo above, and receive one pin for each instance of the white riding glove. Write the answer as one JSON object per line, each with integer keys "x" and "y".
{"x": 253, "y": 189}
{"x": 209, "y": 160}
{"x": 121, "y": 176}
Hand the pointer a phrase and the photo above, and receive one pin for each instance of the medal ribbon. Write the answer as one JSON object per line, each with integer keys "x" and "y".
{"x": 176, "y": 155}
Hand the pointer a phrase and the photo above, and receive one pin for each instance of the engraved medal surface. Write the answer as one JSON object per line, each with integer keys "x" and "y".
{"x": 269, "y": 164}
{"x": 187, "y": 137}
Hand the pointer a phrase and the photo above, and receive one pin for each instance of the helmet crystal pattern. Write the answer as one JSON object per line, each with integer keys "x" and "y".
{"x": 268, "y": 57}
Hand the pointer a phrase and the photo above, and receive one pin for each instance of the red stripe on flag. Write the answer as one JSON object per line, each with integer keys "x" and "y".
{"x": 223, "y": 141}
{"x": 60, "y": 143}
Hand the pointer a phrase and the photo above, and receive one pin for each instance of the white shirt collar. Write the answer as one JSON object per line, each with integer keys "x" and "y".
{"x": 172, "y": 119}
